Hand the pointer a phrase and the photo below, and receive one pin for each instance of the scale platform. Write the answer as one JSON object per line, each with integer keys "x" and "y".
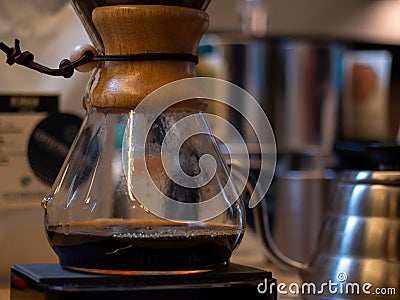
{"x": 51, "y": 282}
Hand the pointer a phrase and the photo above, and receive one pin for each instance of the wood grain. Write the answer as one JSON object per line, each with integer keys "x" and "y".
{"x": 134, "y": 29}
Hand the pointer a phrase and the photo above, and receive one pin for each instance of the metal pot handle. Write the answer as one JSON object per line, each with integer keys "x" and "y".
{"x": 262, "y": 225}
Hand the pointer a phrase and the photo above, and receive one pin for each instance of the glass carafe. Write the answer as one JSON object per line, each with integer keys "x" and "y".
{"x": 107, "y": 211}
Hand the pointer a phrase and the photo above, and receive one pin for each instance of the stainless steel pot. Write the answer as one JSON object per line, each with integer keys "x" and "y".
{"x": 301, "y": 204}
{"x": 294, "y": 82}
{"x": 357, "y": 253}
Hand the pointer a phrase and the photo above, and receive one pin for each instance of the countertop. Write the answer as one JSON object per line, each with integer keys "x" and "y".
{"x": 4, "y": 293}
{"x": 250, "y": 253}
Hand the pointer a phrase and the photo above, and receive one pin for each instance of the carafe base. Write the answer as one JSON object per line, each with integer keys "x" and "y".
{"x": 134, "y": 272}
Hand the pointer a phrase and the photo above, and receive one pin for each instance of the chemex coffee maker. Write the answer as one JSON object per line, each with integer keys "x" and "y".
{"x": 109, "y": 242}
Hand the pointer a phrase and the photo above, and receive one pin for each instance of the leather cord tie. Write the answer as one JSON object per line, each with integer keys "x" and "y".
{"x": 66, "y": 67}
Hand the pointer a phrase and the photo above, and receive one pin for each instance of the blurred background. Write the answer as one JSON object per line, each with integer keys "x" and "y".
{"x": 368, "y": 20}
{"x": 327, "y": 75}
{"x": 326, "y": 72}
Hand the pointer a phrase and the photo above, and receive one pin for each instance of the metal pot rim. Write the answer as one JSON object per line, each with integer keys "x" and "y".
{"x": 371, "y": 177}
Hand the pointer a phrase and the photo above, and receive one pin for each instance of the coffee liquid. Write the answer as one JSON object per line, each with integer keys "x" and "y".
{"x": 143, "y": 246}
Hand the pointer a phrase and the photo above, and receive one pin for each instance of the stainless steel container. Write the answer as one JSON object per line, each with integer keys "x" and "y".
{"x": 358, "y": 242}
{"x": 302, "y": 200}
{"x": 294, "y": 82}
{"x": 357, "y": 255}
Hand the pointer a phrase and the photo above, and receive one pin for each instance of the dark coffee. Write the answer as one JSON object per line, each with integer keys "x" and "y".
{"x": 150, "y": 246}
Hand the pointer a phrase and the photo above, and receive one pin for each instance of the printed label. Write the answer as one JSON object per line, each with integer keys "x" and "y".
{"x": 19, "y": 114}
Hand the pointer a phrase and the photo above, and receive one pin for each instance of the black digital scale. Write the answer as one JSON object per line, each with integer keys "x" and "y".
{"x": 51, "y": 282}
